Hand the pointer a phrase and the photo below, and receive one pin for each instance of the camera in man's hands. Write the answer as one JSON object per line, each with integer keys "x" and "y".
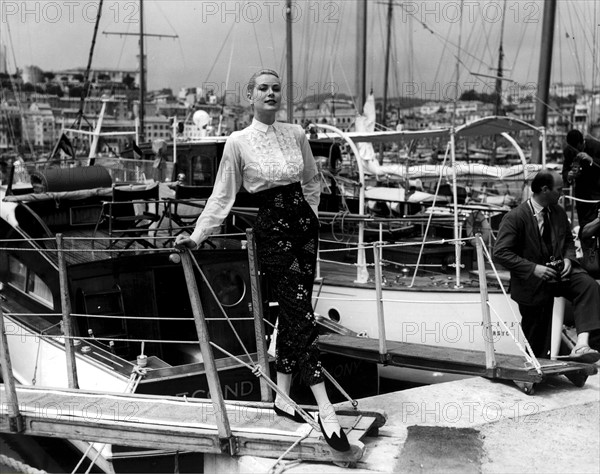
{"x": 557, "y": 264}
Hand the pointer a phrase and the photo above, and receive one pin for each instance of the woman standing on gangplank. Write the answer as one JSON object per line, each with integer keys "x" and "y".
{"x": 274, "y": 161}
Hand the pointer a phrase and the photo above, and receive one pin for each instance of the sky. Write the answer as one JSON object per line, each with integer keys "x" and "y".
{"x": 219, "y": 44}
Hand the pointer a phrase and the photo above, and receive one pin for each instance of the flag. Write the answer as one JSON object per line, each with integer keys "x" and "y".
{"x": 136, "y": 150}
{"x": 65, "y": 145}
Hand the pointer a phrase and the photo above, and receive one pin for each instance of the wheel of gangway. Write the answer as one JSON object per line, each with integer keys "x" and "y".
{"x": 526, "y": 387}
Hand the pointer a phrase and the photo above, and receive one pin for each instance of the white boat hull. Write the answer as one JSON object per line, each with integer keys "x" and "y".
{"x": 447, "y": 318}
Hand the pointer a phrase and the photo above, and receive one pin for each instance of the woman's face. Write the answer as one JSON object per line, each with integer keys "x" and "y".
{"x": 266, "y": 95}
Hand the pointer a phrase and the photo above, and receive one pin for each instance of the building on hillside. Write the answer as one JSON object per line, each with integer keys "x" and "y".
{"x": 565, "y": 90}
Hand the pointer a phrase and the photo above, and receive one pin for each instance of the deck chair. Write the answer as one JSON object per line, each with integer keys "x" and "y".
{"x": 183, "y": 210}
{"x": 130, "y": 214}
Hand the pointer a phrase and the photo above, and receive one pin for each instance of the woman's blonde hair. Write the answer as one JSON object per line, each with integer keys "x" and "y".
{"x": 252, "y": 81}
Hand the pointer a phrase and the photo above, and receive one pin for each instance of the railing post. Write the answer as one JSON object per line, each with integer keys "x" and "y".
{"x": 216, "y": 394}
{"x": 490, "y": 358}
{"x": 15, "y": 418}
{"x": 379, "y": 296}
{"x": 65, "y": 302}
{"x": 266, "y": 395}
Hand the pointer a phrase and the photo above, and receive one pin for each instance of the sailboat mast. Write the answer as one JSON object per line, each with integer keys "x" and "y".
{"x": 142, "y": 75}
{"x": 541, "y": 108}
{"x": 361, "y": 48}
{"x": 499, "y": 75}
{"x": 500, "y": 60}
{"x": 387, "y": 61}
{"x": 290, "y": 65}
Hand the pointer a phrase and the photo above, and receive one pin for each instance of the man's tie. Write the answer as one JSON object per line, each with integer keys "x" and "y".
{"x": 547, "y": 231}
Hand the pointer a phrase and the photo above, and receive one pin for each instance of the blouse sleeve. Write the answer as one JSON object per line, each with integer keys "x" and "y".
{"x": 311, "y": 184}
{"x": 227, "y": 183}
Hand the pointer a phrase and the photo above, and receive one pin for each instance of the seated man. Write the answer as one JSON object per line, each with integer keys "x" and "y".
{"x": 536, "y": 244}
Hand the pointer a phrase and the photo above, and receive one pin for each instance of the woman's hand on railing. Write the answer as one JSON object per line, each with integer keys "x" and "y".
{"x": 183, "y": 242}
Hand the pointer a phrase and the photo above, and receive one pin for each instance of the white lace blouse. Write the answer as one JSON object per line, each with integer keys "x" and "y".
{"x": 259, "y": 157}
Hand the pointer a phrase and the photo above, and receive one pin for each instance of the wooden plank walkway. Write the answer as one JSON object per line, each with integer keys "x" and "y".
{"x": 184, "y": 424}
{"x": 458, "y": 361}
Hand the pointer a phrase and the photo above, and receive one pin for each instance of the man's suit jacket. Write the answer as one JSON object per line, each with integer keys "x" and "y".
{"x": 519, "y": 248}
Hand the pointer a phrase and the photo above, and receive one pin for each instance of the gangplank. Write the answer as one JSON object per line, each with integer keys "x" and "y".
{"x": 524, "y": 370}
{"x": 178, "y": 424}
{"x": 458, "y": 361}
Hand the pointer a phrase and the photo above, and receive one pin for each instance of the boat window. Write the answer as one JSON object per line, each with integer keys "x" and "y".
{"x": 38, "y": 289}
{"x": 17, "y": 273}
{"x": 229, "y": 287}
{"x": 28, "y": 281}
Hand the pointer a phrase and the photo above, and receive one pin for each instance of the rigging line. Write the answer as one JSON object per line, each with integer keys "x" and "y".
{"x": 262, "y": 64}
{"x": 457, "y": 64}
{"x": 85, "y": 90}
{"x": 123, "y": 43}
{"x": 439, "y": 36}
{"x": 586, "y": 37}
{"x": 576, "y": 49}
{"x": 338, "y": 33}
{"x": 519, "y": 46}
{"x": 560, "y": 43}
{"x": 226, "y": 86}
{"x": 272, "y": 42}
{"x": 165, "y": 17}
{"x": 17, "y": 91}
{"x": 218, "y": 55}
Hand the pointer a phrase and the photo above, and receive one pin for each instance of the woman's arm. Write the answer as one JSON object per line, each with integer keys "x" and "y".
{"x": 227, "y": 183}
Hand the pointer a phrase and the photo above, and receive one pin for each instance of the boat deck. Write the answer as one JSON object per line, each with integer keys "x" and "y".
{"x": 458, "y": 361}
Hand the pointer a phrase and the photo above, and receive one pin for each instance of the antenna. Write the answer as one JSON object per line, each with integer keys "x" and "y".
{"x": 142, "y": 84}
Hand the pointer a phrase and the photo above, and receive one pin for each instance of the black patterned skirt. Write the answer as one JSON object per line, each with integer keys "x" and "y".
{"x": 287, "y": 232}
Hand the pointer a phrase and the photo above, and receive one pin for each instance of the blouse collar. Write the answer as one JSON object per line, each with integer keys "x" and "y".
{"x": 261, "y": 127}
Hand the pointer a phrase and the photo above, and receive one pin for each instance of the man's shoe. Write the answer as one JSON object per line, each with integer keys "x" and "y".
{"x": 294, "y": 417}
{"x": 339, "y": 443}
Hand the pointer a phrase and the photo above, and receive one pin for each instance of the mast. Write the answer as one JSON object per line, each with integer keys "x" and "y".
{"x": 541, "y": 109}
{"x": 142, "y": 74}
{"x": 387, "y": 61}
{"x": 290, "y": 66}
{"x": 498, "y": 90}
{"x": 361, "y": 48}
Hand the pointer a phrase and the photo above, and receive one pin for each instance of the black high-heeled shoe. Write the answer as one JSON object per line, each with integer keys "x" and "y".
{"x": 294, "y": 417}
{"x": 339, "y": 443}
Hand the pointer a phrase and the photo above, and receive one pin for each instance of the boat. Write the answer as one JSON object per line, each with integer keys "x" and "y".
{"x": 430, "y": 290}
{"x": 132, "y": 322}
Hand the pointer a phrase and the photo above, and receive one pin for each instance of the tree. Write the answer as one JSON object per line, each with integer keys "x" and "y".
{"x": 54, "y": 89}
{"x": 75, "y": 91}
{"x": 128, "y": 81}
{"x": 28, "y": 87}
{"x": 48, "y": 75}
{"x": 78, "y": 77}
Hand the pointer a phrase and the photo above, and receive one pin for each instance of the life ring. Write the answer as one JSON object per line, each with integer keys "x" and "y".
{"x": 477, "y": 223}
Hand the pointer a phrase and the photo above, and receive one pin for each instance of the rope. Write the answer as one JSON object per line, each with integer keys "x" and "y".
{"x": 340, "y": 388}
{"x": 528, "y": 353}
{"x": 283, "y": 467}
{"x": 17, "y": 466}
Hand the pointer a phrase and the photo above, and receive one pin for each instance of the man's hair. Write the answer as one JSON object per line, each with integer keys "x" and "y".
{"x": 252, "y": 81}
{"x": 545, "y": 177}
{"x": 574, "y": 138}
